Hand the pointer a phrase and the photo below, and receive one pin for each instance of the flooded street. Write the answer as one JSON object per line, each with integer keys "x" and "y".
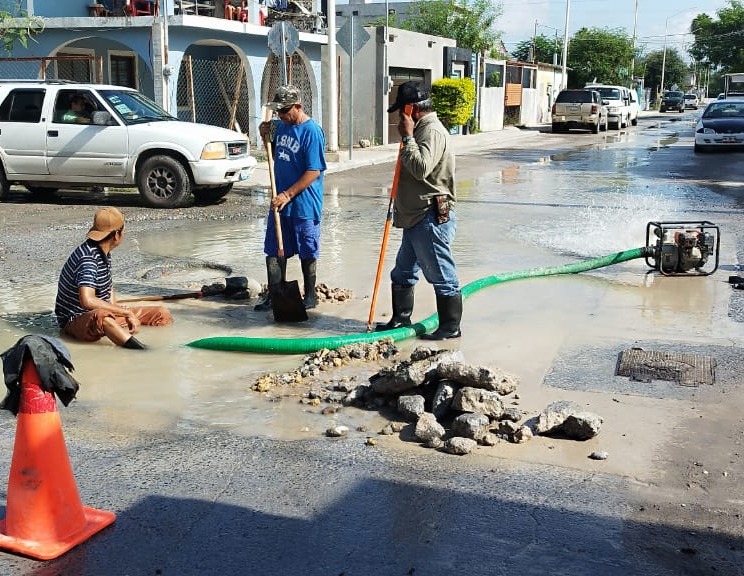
{"x": 518, "y": 208}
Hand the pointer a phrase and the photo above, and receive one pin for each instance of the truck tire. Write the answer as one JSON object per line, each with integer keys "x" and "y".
{"x": 595, "y": 128}
{"x": 4, "y": 185}
{"x": 163, "y": 182}
{"x": 206, "y": 196}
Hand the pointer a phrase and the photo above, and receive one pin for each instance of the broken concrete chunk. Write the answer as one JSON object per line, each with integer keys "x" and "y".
{"x": 478, "y": 377}
{"x": 470, "y": 425}
{"x": 409, "y": 374}
{"x": 478, "y": 400}
{"x": 442, "y": 401}
{"x": 411, "y": 407}
{"x": 459, "y": 446}
{"x": 523, "y": 435}
{"x": 337, "y": 431}
{"x": 565, "y": 417}
{"x": 428, "y": 429}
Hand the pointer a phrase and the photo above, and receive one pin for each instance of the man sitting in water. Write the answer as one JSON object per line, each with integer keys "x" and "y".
{"x": 86, "y": 309}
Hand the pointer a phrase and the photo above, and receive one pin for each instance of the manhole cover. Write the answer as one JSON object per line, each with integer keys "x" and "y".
{"x": 685, "y": 369}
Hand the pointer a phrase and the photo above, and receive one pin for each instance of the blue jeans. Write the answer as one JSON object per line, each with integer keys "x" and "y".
{"x": 426, "y": 247}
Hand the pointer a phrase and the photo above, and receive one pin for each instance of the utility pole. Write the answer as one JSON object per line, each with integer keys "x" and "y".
{"x": 332, "y": 123}
{"x": 632, "y": 59}
{"x": 564, "y": 81}
{"x": 663, "y": 60}
{"x": 534, "y": 44}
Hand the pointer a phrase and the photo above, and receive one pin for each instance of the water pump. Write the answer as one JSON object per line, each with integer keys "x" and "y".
{"x": 688, "y": 248}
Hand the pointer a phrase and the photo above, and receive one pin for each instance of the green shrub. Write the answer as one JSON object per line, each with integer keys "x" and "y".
{"x": 453, "y": 100}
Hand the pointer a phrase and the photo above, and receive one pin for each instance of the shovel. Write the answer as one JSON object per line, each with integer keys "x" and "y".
{"x": 232, "y": 285}
{"x": 286, "y": 301}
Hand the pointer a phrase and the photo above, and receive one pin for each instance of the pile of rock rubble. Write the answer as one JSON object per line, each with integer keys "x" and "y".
{"x": 451, "y": 405}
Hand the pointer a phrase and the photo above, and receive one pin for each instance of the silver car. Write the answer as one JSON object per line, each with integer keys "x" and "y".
{"x": 579, "y": 109}
{"x": 692, "y": 101}
{"x": 721, "y": 126}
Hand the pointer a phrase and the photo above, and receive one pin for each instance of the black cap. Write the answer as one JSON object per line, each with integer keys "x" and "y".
{"x": 408, "y": 93}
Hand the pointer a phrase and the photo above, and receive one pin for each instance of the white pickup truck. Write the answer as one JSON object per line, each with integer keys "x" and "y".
{"x": 621, "y": 102}
{"x": 57, "y": 134}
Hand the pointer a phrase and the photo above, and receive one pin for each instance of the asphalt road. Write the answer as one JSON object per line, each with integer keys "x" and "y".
{"x": 196, "y": 499}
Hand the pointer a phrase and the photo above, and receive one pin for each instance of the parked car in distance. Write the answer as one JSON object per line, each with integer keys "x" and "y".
{"x": 57, "y": 134}
{"x": 635, "y": 106}
{"x": 721, "y": 126}
{"x": 617, "y": 100}
{"x": 672, "y": 100}
{"x": 691, "y": 101}
{"x": 579, "y": 109}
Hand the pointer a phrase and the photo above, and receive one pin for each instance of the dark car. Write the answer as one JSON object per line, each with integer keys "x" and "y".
{"x": 672, "y": 100}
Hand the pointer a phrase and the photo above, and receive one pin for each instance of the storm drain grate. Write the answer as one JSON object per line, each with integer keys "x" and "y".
{"x": 685, "y": 369}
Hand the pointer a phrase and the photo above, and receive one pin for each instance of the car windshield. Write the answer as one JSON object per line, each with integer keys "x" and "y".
{"x": 690, "y": 97}
{"x": 673, "y": 94}
{"x": 609, "y": 93}
{"x": 577, "y": 96}
{"x": 133, "y": 107}
{"x": 724, "y": 110}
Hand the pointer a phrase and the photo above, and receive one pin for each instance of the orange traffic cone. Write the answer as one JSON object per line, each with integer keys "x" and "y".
{"x": 44, "y": 515}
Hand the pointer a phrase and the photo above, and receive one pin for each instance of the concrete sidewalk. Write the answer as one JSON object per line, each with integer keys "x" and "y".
{"x": 360, "y": 157}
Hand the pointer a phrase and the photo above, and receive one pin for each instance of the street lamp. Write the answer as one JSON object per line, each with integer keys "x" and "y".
{"x": 564, "y": 56}
{"x": 663, "y": 61}
{"x": 632, "y": 59}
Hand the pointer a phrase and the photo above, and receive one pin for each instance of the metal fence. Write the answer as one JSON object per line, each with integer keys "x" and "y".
{"x": 296, "y": 75}
{"x": 214, "y": 92}
{"x": 75, "y": 68}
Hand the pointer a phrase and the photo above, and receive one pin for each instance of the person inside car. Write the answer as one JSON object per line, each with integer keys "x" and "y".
{"x": 78, "y": 112}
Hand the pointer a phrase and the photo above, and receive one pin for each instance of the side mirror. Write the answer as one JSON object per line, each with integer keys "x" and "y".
{"x": 103, "y": 118}
{"x": 605, "y": 102}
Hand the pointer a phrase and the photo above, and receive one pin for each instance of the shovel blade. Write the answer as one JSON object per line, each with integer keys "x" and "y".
{"x": 286, "y": 302}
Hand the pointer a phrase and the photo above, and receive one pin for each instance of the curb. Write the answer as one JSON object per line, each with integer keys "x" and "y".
{"x": 386, "y": 153}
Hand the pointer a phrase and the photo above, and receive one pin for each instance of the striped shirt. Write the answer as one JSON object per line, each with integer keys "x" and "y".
{"x": 87, "y": 266}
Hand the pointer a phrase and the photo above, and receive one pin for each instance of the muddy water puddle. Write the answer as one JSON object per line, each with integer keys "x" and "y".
{"x": 510, "y": 217}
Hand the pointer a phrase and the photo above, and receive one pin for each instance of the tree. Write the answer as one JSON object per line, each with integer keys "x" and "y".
{"x": 17, "y": 26}
{"x": 599, "y": 55}
{"x": 675, "y": 70}
{"x": 545, "y": 45}
{"x": 469, "y": 22}
{"x": 720, "y": 42}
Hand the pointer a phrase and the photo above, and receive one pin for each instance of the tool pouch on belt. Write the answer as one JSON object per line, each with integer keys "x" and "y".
{"x": 441, "y": 206}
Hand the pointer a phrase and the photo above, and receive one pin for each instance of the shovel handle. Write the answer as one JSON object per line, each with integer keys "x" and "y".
{"x": 272, "y": 179}
{"x": 386, "y": 230}
{"x": 183, "y": 296}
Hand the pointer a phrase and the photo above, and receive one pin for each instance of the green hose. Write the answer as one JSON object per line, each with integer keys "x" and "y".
{"x": 309, "y": 345}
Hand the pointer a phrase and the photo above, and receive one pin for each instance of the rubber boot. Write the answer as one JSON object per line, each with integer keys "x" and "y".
{"x": 309, "y": 267}
{"x": 134, "y": 344}
{"x": 276, "y": 269}
{"x": 402, "y": 308}
{"x": 449, "y": 309}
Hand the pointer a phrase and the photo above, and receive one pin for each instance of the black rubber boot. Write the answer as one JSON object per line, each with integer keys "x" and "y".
{"x": 309, "y": 267}
{"x": 276, "y": 269}
{"x": 134, "y": 344}
{"x": 402, "y": 308}
{"x": 449, "y": 309}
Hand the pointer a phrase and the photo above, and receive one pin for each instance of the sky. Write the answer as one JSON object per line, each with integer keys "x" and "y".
{"x": 517, "y": 22}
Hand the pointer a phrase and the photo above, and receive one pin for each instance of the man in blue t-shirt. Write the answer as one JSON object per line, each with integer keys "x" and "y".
{"x": 299, "y": 164}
